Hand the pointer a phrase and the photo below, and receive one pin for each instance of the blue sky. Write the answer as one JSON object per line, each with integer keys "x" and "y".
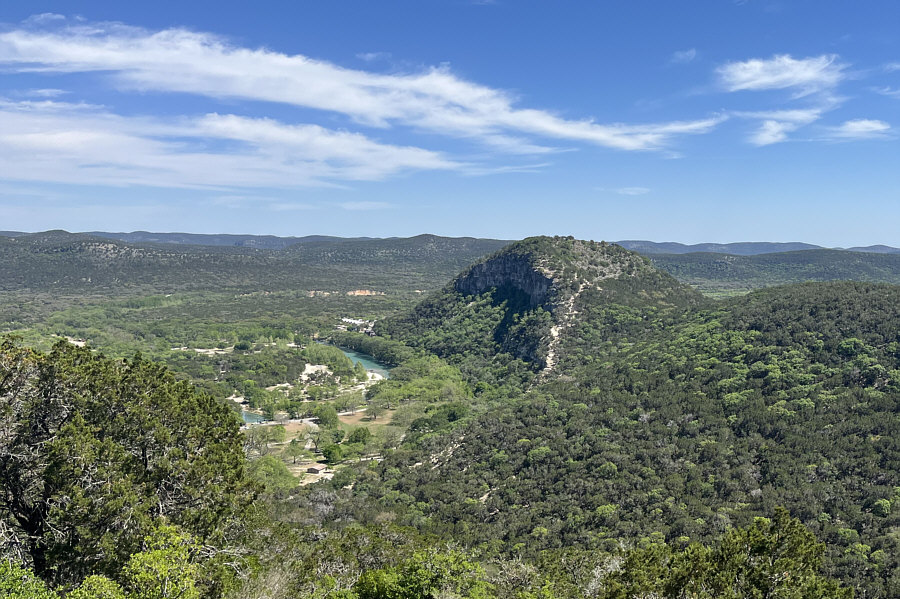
{"x": 704, "y": 121}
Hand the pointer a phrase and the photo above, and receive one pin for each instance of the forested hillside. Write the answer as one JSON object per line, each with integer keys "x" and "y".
{"x": 510, "y": 309}
{"x": 723, "y": 274}
{"x": 675, "y": 420}
{"x": 76, "y": 262}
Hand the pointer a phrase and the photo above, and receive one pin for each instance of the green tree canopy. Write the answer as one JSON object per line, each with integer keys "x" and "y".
{"x": 18, "y": 583}
{"x": 96, "y": 453}
{"x": 775, "y": 557}
{"x": 327, "y": 416}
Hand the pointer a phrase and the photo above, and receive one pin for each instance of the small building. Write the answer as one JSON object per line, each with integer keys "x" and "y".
{"x": 316, "y": 469}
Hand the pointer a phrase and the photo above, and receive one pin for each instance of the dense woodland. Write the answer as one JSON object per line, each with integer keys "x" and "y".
{"x": 616, "y": 435}
{"x": 721, "y": 274}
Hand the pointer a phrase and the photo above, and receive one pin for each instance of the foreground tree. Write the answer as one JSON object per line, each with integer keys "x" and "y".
{"x": 426, "y": 574}
{"x": 167, "y": 568}
{"x": 772, "y": 558}
{"x": 18, "y": 583}
{"x": 94, "y": 454}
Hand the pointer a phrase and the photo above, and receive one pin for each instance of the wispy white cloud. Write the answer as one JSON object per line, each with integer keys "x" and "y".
{"x": 632, "y": 191}
{"x": 76, "y": 143}
{"x": 232, "y": 200}
{"x": 479, "y": 171}
{"x": 625, "y": 191}
{"x": 373, "y": 56}
{"x": 290, "y": 207}
{"x": 813, "y": 79}
{"x": 861, "y": 129}
{"x": 45, "y": 93}
{"x": 888, "y": 91}
{"x": 775, "y": 131}
{"x": 802, "y": 116}
{"x": 436, "y": 100}
{"x": 804, "y": 75}
{"x": 364, "y": 206}
{"x": 44, "y": 18}
{"x": 771, "y": 132}
{"x": 683, "y": 56}
{"x": 508, "y": 144}
{"x": 360, "y": 157}
{"x": 776, "y": 124}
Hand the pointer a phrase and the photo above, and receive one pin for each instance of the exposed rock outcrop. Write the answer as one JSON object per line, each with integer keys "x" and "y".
{"x": 513, "y": 270}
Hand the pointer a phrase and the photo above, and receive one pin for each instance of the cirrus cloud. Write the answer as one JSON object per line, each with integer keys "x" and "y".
{"x": 632, "y": 191}
{"x": 812, "y": 79}
{"x": 435, "y": 100}
{"x": 77, "y": 143}
{"x": 804, "y": 75}
{"x": 776, "y": 124}
{"x": 683, "y": 56}
{"x": 861, "y": 129}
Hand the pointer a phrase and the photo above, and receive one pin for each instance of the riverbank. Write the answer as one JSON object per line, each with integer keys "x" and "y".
{"x": 376, "y": 371}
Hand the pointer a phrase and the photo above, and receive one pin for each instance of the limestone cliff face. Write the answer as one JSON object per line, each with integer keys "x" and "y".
{"x": 507, "y": 270}
{"x": 521, "y": 285}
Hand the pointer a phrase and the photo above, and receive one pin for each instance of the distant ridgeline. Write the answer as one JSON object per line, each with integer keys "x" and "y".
{"x": 64, "y": 262}
{"x": 747, "y": 248}
{"x": 142, "y": 261}
{"x": 724, "y": 269}
{"x": 723, "y": 274}
{"x": 272, "y": 242}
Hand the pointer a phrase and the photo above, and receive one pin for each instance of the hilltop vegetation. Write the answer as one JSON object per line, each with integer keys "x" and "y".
{"x": 501, "y": 318}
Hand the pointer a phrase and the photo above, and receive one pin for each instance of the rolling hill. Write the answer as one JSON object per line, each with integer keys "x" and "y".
{"x": 61, "y": 261}
{"x": 724, "y": 274}
{"x": 749, "y": 248}
{"x": 660, "y": 415}
{"x": 746, "y": 248}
